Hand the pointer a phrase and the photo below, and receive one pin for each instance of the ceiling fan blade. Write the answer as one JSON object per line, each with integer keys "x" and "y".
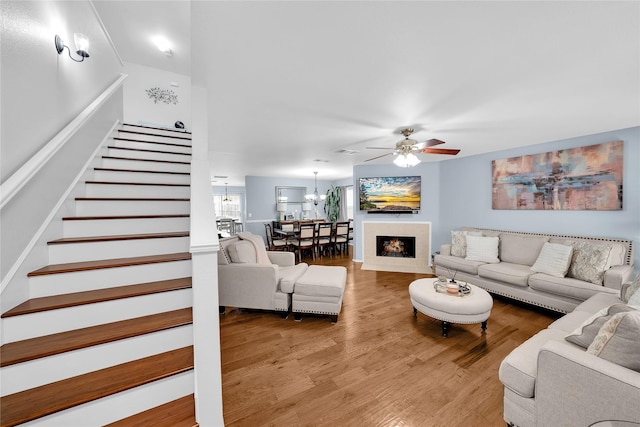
{"x": 377, "y": 157}
{"x": 432, "y": 142}
{"x": 450, "y": 151}
{"x": 379, "y": 148}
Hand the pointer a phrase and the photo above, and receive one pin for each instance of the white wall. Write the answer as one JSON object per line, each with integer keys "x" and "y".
{"x": 41, "y": 90}
{"x": 140, "y": 109}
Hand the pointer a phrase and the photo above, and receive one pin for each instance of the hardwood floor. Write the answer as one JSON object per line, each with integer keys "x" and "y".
{"x": 377, "y": 366}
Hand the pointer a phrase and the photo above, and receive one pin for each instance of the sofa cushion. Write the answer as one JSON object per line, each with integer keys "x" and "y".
{"x": 618, "y": 340}
{"x": 289, "y": 276}
{"x": 454, "y": 264}
{"x": 589, "y": 261}
{"x": 322, "y": 281}
{"x": 483, "y": 249}
{"x": 598, "y": 302}
{"x": 518, "y": 371}
{"x": 571, "y": 321}
{"x": 566, "y": 286}
{"x": 585, "y": 333}
{"x": 518, "y": 249}
{"x": 459, "y": 241}
{"x": 242, "y": 252}
{"x": 554, "y": 259}
{"x": 513, "y": 274}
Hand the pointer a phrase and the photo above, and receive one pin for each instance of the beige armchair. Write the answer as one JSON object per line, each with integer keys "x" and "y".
{"x": 243, "y": 282}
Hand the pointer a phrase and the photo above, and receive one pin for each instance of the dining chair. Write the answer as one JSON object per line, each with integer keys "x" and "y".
{"x": 324, "y": 238}
{"x": 342, "y": 236}
{"x": 275, "y": 243}
{"x": 305, "y": 240}
{"x": 226, "y": 225}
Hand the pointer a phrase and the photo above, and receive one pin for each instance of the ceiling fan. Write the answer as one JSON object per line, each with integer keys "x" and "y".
{"x": 406, "y": 149}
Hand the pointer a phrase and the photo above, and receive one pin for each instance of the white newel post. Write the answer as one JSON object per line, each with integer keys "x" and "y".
{"x": 204, "y": 258}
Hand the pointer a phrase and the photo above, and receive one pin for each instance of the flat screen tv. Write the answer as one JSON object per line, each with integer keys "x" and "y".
{"x": 390, "y": 194}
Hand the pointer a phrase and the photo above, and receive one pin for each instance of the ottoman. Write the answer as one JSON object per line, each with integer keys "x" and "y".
{"x": 472, "y": 308}
{"x": 319, "y": 291}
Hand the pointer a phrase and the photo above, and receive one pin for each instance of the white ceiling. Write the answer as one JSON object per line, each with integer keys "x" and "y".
{"x": 291, "y": 83}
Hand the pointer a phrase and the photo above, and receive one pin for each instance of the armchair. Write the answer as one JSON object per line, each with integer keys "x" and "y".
{"x": 244, "y": 282}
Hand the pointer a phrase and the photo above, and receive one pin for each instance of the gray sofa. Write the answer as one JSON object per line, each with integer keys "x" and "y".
{"x": 510, "y": 274}
{"x": 549, "y": 381}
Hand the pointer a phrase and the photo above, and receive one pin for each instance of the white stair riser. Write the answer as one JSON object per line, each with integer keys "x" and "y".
{"x": 32, "y": 325}
{"x": 155, "y": 133}
{"x": 34, "y": 373}
{"x": 109, "y": 227}
{"x": 124, "y": 190}
{"x": 171, "y": 156}
{"x": 142, "y": 165}
{"x": 159, "y": 178}
{"x": 167, "y": 144}
{"x": 92, "y": 251}
{"x": 64, "y": 283}
{"x": 121, "y": 405}
{"x": 133, "y": 207}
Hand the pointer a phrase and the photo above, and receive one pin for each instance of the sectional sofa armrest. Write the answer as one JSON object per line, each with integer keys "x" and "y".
{"x": 445, "y": 249}
{"x": 247, "y": 285}
{"x": 283, "y": 259}
{"x": 617, "y": 275}
{"x": 579, "y": 389}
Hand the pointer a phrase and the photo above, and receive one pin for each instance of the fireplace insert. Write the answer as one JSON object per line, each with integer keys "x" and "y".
{"x": 396, "y": 246}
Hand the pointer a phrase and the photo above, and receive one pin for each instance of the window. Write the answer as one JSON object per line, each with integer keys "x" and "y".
{"x": 228, "y": 209}
{"x": 349, "y": 200}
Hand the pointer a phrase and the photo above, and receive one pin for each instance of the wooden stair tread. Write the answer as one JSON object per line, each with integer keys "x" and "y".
{"x": 178, "y": 413}
{"x": 157, "y": 128}
{"x": 91, "y": 239}
{"x": 155, "y": 134}
{"x": 55, "y": 302}
{"x": 147, "y": 151}
{"x": 137, "y": 183}
{"x": 108, "y": 263}
{"x": 146, "y": 160}
{"x": 50, "y": 398}
{"x": 91, "y": 218}
{"x": 49, "y": 345}
{"x": 172, "y": 144}
{"x": 140, "y": 171}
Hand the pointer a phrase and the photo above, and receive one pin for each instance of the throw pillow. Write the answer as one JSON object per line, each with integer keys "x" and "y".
{"x": 586, "y": 333}
{"x": 483, "y": 249}
{"x": 634, "y": 301}
{"x": 242, "y": 252}
{"x": 631, "y": 290}
{"x": 589, "y": 262}
{"x": 459, "y": 242}
{"x": 554, "y": 259}
{"x": 618, "y": 340}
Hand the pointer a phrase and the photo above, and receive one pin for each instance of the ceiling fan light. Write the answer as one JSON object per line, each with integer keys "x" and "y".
{"x": 406, "y": 160}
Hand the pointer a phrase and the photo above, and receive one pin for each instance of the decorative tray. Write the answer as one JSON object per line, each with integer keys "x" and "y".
{"x": 451, "y": 287}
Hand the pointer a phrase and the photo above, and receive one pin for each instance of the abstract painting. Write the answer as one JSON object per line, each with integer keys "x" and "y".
{"x": 583, "y": 178}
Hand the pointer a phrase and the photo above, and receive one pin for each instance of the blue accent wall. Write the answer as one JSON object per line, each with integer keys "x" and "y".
{"x": 457, "y": 193}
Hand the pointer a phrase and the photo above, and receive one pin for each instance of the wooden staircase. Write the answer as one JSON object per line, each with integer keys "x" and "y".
{"x": 107, "y": 336}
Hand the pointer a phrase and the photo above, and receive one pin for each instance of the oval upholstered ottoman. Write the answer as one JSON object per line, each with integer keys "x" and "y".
{"x": 319, "y": 291}
{"x": 472, "y": 308}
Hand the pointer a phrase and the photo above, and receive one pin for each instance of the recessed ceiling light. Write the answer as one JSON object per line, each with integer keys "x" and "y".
{"x": 321, "y": 161}
{"x": 163, "y": 44}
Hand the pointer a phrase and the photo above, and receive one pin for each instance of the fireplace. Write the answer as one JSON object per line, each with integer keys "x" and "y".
{"x": 407, "y": 243}
{"x": 396, "y": 246}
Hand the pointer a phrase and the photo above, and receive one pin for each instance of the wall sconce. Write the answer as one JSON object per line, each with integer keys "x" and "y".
{"x": 82, "y": 46}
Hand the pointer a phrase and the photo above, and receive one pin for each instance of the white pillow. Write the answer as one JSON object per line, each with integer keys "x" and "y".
{"x": 459, "y": 241}
{"x": 243, "y": 252}
{"x": 554, "y": 260}
{"x": 483, "y": 249}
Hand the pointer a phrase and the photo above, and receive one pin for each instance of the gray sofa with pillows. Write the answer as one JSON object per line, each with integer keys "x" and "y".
{"x": 583, "y": 370}
{"x": 557, "y": 272}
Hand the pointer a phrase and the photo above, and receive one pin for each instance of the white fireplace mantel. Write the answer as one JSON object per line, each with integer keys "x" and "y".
{"x": 421, "y": 230}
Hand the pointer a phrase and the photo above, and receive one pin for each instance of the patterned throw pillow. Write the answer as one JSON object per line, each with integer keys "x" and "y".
{"x": 589, "y": 261}
{"x": 483, "y": 249}
{"x": 554, "y": 259}
{"x": 586, "y": 333}
{"x": 618, "y": 340}
{"x": 632, "y": 290}
{"x": 459, "y": 242}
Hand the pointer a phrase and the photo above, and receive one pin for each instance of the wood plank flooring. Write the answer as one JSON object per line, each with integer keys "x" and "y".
{"x": 378, "y": 366}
